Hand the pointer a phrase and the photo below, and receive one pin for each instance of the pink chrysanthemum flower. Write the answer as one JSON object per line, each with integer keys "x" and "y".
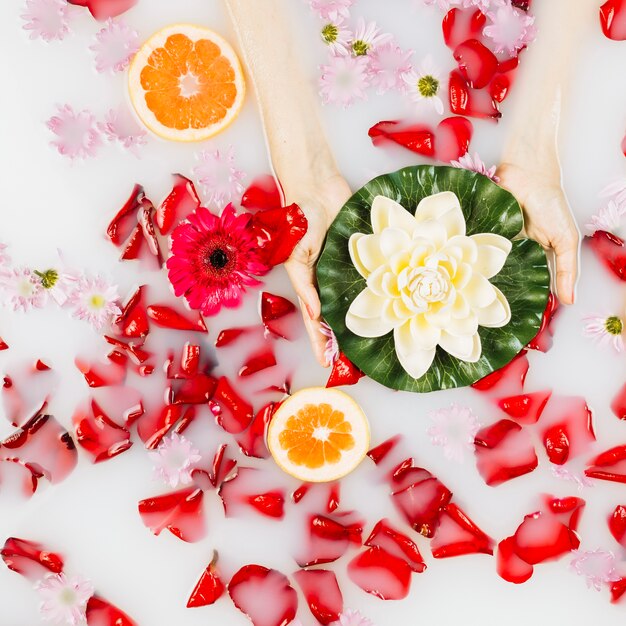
{"x": 352, "y": 618}
{"x": 617, "y": 192}
{"x": 606, "y": 330}
{"x": 388, "y": 66}
{"x": 115, "y": 46}
{"x": 344, "y": 80}
{"x": 174, "y": 459}
{"x": 121, "y": 126}
{"x": 58, "y": 284}
{"x": 332, "y": 9}
{"x": 454, "y": 429}
{"x": 331, "y": 350}
{"x": 337, "y": 37}
{"x": 580, "y": 480}
{"x": 5, "y": 259}
{"x": 443, "y": 5}
{"x": 608, "y": 218}
{"x": 482, "y": 5}
{"x": 95, "y": 301}
{"x": 475, "y": 164}
{"x": 47, "y": 19}
{"x": 597, "y": 567}
{"x": 214, "y": 259}
{"x": 367, "y": 37}
{"x": 76, "y": 134}
{"x": 424, "y": 84}
{"x": 22, "y": 289}
{"x": 219, "y": 179}
{"x": 64, "y": 598}
{"x": 510, "y": 29}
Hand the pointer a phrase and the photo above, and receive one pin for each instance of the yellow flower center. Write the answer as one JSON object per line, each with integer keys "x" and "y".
{"x": 360, "y": 47}
{"x": 614, "y": 325}
{"x": 330, "y": 33}
{"x": 97, "y": 301}
{"x": 428, "y": 86}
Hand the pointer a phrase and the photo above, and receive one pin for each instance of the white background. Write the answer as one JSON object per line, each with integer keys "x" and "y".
{"x": 47, "y": 203}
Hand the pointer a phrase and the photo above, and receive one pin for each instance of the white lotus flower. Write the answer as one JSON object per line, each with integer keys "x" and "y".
{"x": 427, "y": 281}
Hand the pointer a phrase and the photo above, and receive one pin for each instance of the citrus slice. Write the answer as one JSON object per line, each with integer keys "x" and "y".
{"x": 318, "y": 435}
{"x": 186, "y": 83}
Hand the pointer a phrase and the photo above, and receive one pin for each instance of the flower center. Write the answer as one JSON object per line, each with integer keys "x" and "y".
{"x": 26, "y": 288}
{"x": 218, "y": 259}
{"x": 67, "y": 596}
{"x": 330, "y": 33}
{"x": 48, "y": 278}
{"x": 360, "y": 47}
{"x": 614, "y": 325}
{"x": 427, "y": 285}
{"x": 189, "y": 85}
{"x": 97, "y": 301}
{"x": 428, "y": 86}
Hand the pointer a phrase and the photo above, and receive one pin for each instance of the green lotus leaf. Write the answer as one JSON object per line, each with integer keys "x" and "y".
{"x": 487, "y": 208}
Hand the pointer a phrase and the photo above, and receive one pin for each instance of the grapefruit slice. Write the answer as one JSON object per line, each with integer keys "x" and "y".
{"x": 186, "y": 83}
{"x": 318, "y": 435}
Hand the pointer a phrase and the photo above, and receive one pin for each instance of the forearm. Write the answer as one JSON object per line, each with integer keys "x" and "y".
{"x": 543, "y": 83}
{"x": 289, "y": 109}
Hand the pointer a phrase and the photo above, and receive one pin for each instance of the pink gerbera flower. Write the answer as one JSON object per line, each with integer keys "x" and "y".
{"x": 510, "y": 29}
{"x": 64, "y": 598}
{"x": 352, "y": 618}
{"x": 115, "y": 46}
{"x": 47, "y": 19}
{"x": 443, "y": 5}
{"x": 475, "y": 164}
{"x": 344, "y": 80}
{"x": 95, "y": 301}
{"x": 608, "y": 218}
{"x": 424, "y": 84}
{"x": 332, "y": 9}
{"x": 454, "y": 429}
{"x": 58, "y": 284}
{"x": 174, "y": 460}
{"x": 214, "y": 259}
{"x": 22, "y": 289}
{"x": 218, "y": 177}
{"x": 388, "y": 66}
{"x": 121, "y": 126}
{"x": 367, "y": 37}
{"x": 337, "y": 37}
{"x": 76, "y": 134}
{"x": 617, "y": 192}
{"x": 331, "y": 350}
{"x": 596, "y": 566}
{"x": 606, "y": 330}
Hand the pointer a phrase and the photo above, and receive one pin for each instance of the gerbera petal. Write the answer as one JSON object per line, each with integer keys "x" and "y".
{"x": 497, "y": 314}
{"x": 493, "y": 251}
{"x": 445, "y": 208}
{"x": 415, "y": 362}
{"x": 386, "y": 213}
{"x": 466, "y": 348}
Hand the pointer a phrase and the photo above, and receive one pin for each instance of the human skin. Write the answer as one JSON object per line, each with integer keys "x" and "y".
{"x": 305, "y": 166}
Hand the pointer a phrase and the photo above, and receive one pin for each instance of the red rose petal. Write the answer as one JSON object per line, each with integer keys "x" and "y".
{"x": 98, "y": 434}
{"x": 100, "y": 612}
{"x": 134, "y": 245}
{"x": 167, "y": 317}
{"x": 525, "y": 408}
{"x": 248, "y": 490}
{"x": 417, "y": 138}
{"x": 264, "y": 595}
{"x": 196, "y": 389}
{"x": 146, "y": 220}
{"x": 232, "y": 412}
{"x": 567, "y": 510}
{"x": 609, "y": 249}
{"x": 508, "y": 379}
{"x": 262, "y": 194}
{"x": 609, "y": 465}
{"x": 105, "y": 9}
{"x": 566, "y": 428}
{"x": 274, "y": 309}
{"x": 504, "y": 451}
{"x": 613, "y": 19}
{"x": 322, "y": 593}
{"x": 179, "y": 203}
{"x": 510, "y": 566}
{"x": 26, "y": 392}
{"x": 252, "y": 441}
{"x": 344, "y": 372}
{"x": 329, "y": 537}
{"x": 470, "y": 102}
{"x": 258, "y": 362}
{"x": 543, "y": 338}
{"x": 385, "y": 536}
{"x": 278, "y": 232}
{"x": 133, "y": 320}
{"x": 618, "y": 405}
{"x": 420, "y": 497}
{"x": 476, "y": 62}
{"x": 131, "y": 350}
{"x": 180, "y": 512}
{"x": 3, "y": 345}
{"x": 458, "y": 534}
{"x": 383, "y": 575}
{"x": 155, "y": 425}
{"x": 222, "y": 467}
{"x": 230, "y": 335}
{"x": 382, "y": 451}
{"x": 460, "y": 25}
{"x": 618, "y": 588}
{"x": 123, "y": 405}
{"x": 209, "y": 587}
{"x": 43, "y": 446}
{"x": 453, "y": 138}
{"x": 30, "y": 559}
{"x": 499, "y": 87}
{"x": 617, "y": 524}
{"x": 121, "y": 226}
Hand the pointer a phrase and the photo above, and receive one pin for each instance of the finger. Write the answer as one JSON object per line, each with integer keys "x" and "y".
{"x": 566, "y": 252}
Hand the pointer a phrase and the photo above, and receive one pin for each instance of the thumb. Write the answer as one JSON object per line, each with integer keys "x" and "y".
{"x": 566, "y": 253}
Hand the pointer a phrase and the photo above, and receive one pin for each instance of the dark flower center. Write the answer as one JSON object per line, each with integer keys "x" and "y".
{"x": 218, "y": 259}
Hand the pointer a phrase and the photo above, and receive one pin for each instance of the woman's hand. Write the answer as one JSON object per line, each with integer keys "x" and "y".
{"x": 320, "y": 206}
{"x": 548, "y": 219}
